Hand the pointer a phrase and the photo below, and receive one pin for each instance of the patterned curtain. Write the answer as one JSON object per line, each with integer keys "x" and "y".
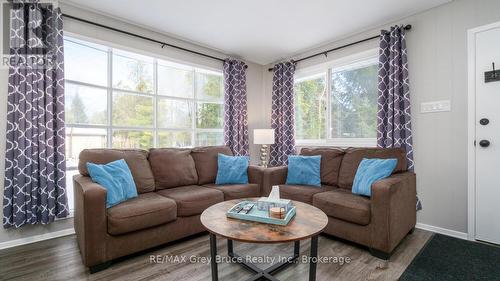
{"x": 393, "y": 116}
{"x": 235, "y": 107}
{"x": 35, "y": 190}
{"x": 282, "y": 115}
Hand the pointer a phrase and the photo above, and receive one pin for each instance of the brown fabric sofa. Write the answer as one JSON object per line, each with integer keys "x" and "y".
{"x": 174, "y": 185}
{"x": 379, "y": 222}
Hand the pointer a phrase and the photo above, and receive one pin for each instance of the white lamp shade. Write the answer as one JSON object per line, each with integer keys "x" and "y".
{"x": 263, "y": 136}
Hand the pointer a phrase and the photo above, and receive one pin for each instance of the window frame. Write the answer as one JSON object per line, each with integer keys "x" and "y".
{"x": 157, "y": 60}
{"x": 325, "y": 69}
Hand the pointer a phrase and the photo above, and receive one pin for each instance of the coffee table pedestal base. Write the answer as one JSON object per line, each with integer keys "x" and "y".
{"x": 266, "y": 274}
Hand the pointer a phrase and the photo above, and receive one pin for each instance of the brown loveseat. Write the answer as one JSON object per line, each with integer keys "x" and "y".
{"x": 379, "y": 222}
{"x": 174, "y": 187}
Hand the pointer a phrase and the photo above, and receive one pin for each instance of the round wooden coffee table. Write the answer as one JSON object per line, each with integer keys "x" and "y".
{"x": 308, "y": 222}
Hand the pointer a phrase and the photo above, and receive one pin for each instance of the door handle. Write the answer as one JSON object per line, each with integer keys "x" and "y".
{"x": 484, "y": 143}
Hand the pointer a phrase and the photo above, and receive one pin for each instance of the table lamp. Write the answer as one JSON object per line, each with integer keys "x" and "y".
{"x": 264, "y": 137}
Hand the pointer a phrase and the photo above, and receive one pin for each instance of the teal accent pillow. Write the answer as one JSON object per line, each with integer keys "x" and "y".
{"x": 370, "y": 171}
{"x": 232, "y": 169}
{"x": 304, "y": 170}
{"x": 116, "y": 178}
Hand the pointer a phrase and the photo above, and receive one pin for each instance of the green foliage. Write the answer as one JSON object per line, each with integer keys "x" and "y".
{"x": 134, "y": 111}
{"x": 209, "y": 86}
{"x": 354, "y": 103}
{"x": 131, "y": 110}
{"x": 209, "y": 138}
{"x": 76, "y": 113}
{"x": 133, "y": 139}
{"x": 210, "y": 114}
{"x": 138, "y": 78}
{"x": 310, "y": 103}
{"x": 174, "y": 139}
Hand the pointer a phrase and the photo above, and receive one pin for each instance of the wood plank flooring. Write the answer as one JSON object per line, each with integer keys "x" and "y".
{"x": 59, "y": 259}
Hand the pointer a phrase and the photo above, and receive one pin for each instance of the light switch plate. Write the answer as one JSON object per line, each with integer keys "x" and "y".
{"x": 435, "y": 106}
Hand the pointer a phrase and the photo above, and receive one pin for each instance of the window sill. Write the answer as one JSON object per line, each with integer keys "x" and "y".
{"x": 344, "y": 143}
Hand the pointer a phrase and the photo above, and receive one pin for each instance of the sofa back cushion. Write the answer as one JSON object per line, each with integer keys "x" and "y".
{"x": 331, "y": 158}
{"x": 353, "y": 157}
{"x": 137, "y": 161}
{"x": 172, "y": 167}
{"x": 205, "y": 159}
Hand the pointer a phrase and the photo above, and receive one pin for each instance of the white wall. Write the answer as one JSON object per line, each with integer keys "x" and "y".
{"x": 437, "y": 50}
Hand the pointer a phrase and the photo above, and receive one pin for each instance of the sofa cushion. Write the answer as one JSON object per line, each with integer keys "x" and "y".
{"x": 237, "y": 191}
{"x": 205, "y": 159}
{"x": 137, "y": 161}
{"x": 353, "y": 157}
{"x": 232, "y": 169}
{"x": 146, "y": 210}
{"x": 331, "y": 157}
{"x": 193, "y": 199}
{"x": 344, "y": 205}
{"x": 304, "y": 170}
{"x": 172, "y": 167}
{"x": 302, "y": 193}
{"x": 116, "y": 178}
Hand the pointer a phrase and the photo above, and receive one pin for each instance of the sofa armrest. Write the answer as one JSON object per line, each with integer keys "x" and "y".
{"x": 273, "y": 176}
{"x": 393, "y": 210}
{"x": 90, "y": 219}
{"x": 256, "y": 175}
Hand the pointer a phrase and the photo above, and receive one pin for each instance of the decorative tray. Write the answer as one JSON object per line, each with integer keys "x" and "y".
{"x": 259, "y": 215}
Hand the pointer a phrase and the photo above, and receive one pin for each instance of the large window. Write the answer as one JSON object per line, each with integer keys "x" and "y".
{"x": 119, "y": 99}
{"x": 336, "y": 104}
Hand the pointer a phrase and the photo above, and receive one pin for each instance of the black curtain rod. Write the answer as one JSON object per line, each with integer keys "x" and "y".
{"x": 163, "y": 44}
{"x": 407, "y": 27}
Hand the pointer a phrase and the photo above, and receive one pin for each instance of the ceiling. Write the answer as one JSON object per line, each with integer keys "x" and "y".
{"x": 261, "y": 31}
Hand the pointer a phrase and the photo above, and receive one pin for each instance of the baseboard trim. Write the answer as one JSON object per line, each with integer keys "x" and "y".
{"x": 36, "y": 238}
{"x": 444, "y": 231}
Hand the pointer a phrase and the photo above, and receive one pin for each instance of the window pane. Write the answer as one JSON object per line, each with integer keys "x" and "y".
{"x": 85, "y": 62}
{"x": 310, "y": 104}
{"x": 175, "y": 82}
{"x": 354, "y": 102}
{"x": 132, "y": 139}
{"x": 78, "y": 139}
{"x": 209, "y": 138}
{"x": 209, "y": 116}
{"x": 132, "y": 72}
{"x": 85, "y": 105}
{"x": 69, "y": 188}
{"x": 209, "y": 86}
{"x": 175, "y": 113}
{"x": 132, "y": 110}
{"x": 174, "y": 139}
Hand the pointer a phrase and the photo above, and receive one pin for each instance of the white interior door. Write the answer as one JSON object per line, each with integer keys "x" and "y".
{"x": 487, "y": 156}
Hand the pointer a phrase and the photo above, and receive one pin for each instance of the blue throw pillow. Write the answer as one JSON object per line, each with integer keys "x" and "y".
{"x": 232, "y": 169}
{"x": 304, "y": 170}
{"x": 370, "y": 171}
{"x": 116, "y": 178}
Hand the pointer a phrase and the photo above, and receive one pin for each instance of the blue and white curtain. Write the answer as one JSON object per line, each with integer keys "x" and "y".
{"x": 282, "y": 115}
{"x": 35, "y": 188}
{"x": 393, "y": 115}
{"x": 235, "y": 107}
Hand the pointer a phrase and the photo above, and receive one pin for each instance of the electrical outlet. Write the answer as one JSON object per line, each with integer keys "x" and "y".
{"x": 435, "y": 106}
